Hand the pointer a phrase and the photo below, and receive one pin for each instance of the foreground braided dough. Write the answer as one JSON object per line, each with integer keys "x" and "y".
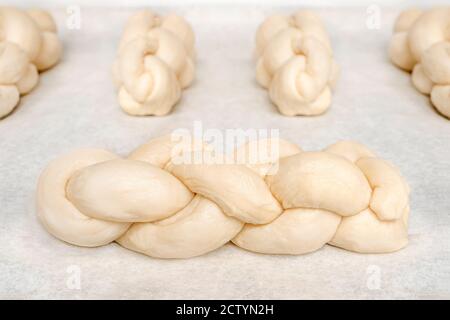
{"x": 295, "y": 63}
{"x": 421, "y": 45}
{"x": 155, "y": 61}
{"x": 291, "y": 204}
{"x": 28, "y": 45}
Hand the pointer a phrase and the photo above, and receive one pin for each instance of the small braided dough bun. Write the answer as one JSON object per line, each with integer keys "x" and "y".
{"x": 155, "y": 61}
{"x": 295, "y": 63}
{"x": 292, "y": 202}
{"x": 28, "y": 45}
{"x": 421, "y": 45}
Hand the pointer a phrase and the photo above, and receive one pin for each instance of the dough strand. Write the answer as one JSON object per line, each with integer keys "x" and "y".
{"x": 295, "y": 63}
{"x": 28, "y": 45}
{"x": 155, "y": 61}
{"x": 168, "y": 199}
{"x": 421, "y": 45}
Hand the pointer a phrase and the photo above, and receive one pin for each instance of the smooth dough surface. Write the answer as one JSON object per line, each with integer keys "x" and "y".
{"x": 199, "y": 228}
{"x": 275, "y": 199}
{"x": 295, "y": 63}
{"x": 155, "y": 61}
{"x": 28, "y": 45}
{"x": 421, "y": 45}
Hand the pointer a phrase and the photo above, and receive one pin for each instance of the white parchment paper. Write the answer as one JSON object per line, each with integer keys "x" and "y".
{"x": 75, "y": 106}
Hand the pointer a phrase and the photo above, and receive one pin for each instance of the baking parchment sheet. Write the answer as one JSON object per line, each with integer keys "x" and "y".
{"x": 75, "y": 105}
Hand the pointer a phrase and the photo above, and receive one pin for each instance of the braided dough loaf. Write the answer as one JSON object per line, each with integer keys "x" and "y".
{"x": 421, "y": 45}
{"x": 294, "y": 203}
{"x": 28, "y": 45}
{"x": 155, "y": 61}
{"x": 295, "y": 63}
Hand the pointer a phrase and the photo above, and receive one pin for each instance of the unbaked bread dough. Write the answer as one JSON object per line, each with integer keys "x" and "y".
{"x": 294, "y": 203}
{"x": 295, "y": 63}
{"x": 28, "y": 45}
{"x": 421, "y": 45}
{"x": 155, "y": 61}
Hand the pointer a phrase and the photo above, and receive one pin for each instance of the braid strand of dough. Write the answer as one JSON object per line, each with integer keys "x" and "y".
{"x": 421, "y": 45}
{"x": 161, "y": 201}
{"x": 28, "y": 45}
{"x": 155, "y": 61}
{"x": 295, "y": 63}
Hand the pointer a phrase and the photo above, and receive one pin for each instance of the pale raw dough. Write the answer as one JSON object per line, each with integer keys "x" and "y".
{"x": 293, "y": 203}
{"x": 155, "y": 61}
{"x": 421, "y": 45}
{"x": 28, "y": 45}
{"x": 295, "y": 63}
